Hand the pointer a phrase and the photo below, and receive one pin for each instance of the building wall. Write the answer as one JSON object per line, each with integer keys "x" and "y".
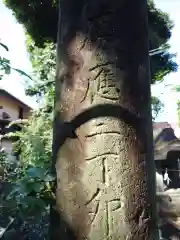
{"x": 159, "y": 126}
{"x": 11, "y": 107}
{"x": 26, "y": 114}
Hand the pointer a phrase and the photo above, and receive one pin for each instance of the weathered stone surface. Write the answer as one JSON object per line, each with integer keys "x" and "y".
{"x": 102, "y": 187}
{"x": 103, "y": 174}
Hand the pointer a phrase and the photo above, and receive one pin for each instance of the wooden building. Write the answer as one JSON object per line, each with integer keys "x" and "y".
{"x": 167, "y": 152}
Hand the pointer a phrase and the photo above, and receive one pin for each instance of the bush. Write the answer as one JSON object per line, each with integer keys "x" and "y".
{"x": 29, "y": 181}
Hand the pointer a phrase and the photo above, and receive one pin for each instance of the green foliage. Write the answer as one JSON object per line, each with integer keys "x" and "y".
{"x": 27, "y": 183}
{"x": 41, "y": 57}
{"x": 157, "y": 107}
{"x": 44, "y": 64}
{"x": 177, "y": 88}
{"x": 161, "y": 63}
{"x": 35, "y": 138}
{"x": 6, "y": 163}
{"x": 31, "y": 179}
{"x": 178, "y": 112}
{"x": 160, "y": 26}
{"x": 30, "y": 137}
{"x": 39, "y": 17}
{"x": 2, "y": 156}
{"x": 4, "y": 67}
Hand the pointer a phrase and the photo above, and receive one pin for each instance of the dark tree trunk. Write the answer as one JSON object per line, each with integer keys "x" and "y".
{"x": 102, "y": 130}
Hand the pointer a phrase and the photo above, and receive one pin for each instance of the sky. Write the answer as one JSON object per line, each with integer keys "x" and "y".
{"x": 167, "y": 94}
{"x": 12, "y": 34}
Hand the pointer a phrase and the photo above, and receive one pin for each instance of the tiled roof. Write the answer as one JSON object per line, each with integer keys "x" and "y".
{"x": 165, "y": 139}
{"x": 3, "y": 91}
{"x": 161, "y": 125}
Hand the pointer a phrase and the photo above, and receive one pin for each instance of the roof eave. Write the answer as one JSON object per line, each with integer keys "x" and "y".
{"x": 16, "y": 99}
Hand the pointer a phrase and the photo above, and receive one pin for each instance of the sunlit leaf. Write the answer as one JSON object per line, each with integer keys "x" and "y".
{"x": 49, "y": 178}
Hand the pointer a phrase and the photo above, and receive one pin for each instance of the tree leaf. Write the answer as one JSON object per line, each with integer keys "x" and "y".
{"x": 4, "y": 46}
{"x": 21, "y": 72}
{"x": 49, "y": 178}
{"x": 36, "y": 172}
{"x": 38, "y": 187}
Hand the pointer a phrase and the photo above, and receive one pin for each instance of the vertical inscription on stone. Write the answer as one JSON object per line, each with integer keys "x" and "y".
{"x": 103, "y": 185}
